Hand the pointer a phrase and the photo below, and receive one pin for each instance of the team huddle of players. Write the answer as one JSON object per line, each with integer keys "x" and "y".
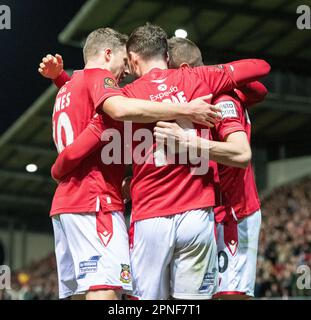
{"x": 192, "y": 236}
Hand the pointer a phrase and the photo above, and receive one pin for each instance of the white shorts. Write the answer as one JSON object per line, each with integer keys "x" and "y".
{"x": 175, "y": 256}
{"x": 92, "y": 253}
{"x": 237, "y": 244}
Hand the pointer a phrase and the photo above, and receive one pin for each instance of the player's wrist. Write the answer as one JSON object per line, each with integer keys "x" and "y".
{"x": 60, "y": 75}
{"x": 61, "y": 79}
{"x": 184, "y": 111}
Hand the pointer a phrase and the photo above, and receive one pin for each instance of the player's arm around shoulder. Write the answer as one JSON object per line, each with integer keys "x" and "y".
{"x": 233, "y": 148}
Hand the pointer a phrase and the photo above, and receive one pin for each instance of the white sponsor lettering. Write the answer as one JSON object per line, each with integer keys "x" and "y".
{"x": 228, "y": 109}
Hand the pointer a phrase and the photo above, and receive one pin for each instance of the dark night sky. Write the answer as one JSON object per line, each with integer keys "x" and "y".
{"x": 35, "y": 27}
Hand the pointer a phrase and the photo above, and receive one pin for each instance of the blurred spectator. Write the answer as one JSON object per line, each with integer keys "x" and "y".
{"x": 38, "y": 282}
{"x": 285, "y": 241}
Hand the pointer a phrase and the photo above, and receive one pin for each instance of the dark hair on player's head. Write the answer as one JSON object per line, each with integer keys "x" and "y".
{"x": 182, "y": 50}
{"x": 100, "y": 39}
{"x": 148, "y": 41}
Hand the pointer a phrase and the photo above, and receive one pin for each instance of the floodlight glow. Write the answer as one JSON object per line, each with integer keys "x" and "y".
{"x": 180, "y": 33}
{"x": 31, "y": 168}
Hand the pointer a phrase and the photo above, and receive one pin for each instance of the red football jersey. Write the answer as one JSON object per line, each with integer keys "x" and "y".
{"x": 92, "y": 185}
{"x": 171, "y": 189}
{"x": 238, "y": 192}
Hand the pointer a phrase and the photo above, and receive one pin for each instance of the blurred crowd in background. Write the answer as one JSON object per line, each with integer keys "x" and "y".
{"x": 37, "y": 282}
{"x": 285, "y": 240}
{"x": 285, "y": 244}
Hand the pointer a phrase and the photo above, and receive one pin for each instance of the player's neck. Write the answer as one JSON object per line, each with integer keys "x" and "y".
{"x": 95, "y": 65}
{"x": 146, "y": 66}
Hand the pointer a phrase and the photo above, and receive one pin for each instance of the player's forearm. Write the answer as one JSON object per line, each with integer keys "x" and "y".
{"x": 65, "y": 163}
{"x": 252, "y": 93}
{"x": 61, "y": 79}
{"x": 144, "y": 111}
{"x": 248, "y": 70}
{"x": 71, "y": 157}
{"x": 226, "y": 153}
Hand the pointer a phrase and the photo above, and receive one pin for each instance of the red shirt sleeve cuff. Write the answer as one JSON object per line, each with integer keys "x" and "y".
{"x": 61, "y": 79}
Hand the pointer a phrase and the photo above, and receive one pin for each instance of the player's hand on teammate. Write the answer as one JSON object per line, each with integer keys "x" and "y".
{"x": 51, "y": 66}
{"x": 202, "y": 112}
{"x": 171, "y": 134}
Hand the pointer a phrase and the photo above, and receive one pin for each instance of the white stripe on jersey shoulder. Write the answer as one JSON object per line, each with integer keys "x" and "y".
{"x": 158, "y": 81}
{"x": 248, "y": 120}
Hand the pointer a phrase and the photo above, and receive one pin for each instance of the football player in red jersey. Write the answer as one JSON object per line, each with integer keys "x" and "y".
{"x": 167, "y": 207}
{"x": 238, "y": 216}
{"x": 87, "y": 211}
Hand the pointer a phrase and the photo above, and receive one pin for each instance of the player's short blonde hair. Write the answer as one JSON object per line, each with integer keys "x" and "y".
{"x": 183, "y": 50}
{"x": 101, "y": 39}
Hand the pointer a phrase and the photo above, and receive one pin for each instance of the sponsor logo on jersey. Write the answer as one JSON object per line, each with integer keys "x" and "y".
{"x": 88, "y": 266}
{"x": 228, "y": 109}
{"x": 162, "y": 87}
{"x": 209, "y": 282}
{"x": 110, "y": 83}
{"x": 164, "y": 94}
{"x": 125, "y": 275}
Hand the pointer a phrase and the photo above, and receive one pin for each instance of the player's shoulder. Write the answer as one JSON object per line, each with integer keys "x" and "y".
{"x": 184, "y": 72}
{"x": 100, "y": 76}
{"x": 132, "y": 87}
{"x": 228, "y": 96}
{"x": 230, "y": 104}
{"x": 97, "y": 71}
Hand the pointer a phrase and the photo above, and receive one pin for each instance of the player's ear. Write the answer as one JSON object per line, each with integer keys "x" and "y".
{"x": 108, "y": 53}
{"x": 184, "y": 65}
{"x": 132, "y": 56}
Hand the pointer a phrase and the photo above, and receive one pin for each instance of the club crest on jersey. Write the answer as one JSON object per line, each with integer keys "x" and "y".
{"x": 228, "y": 109}
{"x": 110, "y": 83}
{"x": 125, "y": 275}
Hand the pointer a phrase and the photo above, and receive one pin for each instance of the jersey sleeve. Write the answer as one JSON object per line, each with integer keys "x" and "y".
{"x": 218, "y": 78}
{"x": 101, "y": 85}
{"x": 232, "y": 113}
{"x": 85, "y": 144}
{"x": 252, "y": 93}
{"x": 62, "y": 79}
{"x": 225, "y": 77}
